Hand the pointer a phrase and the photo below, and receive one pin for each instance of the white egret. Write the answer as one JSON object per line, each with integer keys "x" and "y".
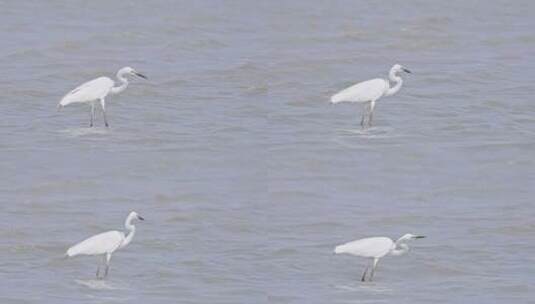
{"x": 106, "y": 243}
{"x": 96, "y": 90}
{"x": 370, "y": 91}
{"x": 376, "y": 248}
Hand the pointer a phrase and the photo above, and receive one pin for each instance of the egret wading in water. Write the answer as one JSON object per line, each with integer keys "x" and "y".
{"x": 376, "y": 248}
{"x": 97, "y": 90}
{"x": 370, "y": 91}
{"x": 106, "y": 243}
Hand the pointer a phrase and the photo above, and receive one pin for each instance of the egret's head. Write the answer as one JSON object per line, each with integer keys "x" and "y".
{"x": 410, "y": 237}
{"x": 130, "y": 71}
{"x": 134, "y": 215}
{"x": 399, "y": 68}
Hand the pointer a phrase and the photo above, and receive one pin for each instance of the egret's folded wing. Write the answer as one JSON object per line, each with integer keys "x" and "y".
{"x": 91, "y": 90}
{"x": 362, "y": 91}
{"x": 368, "y": 247}
{"x": 97, "y": 244}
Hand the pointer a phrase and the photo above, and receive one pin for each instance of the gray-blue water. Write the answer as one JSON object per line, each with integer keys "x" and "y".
{"x": 246, "y": 175}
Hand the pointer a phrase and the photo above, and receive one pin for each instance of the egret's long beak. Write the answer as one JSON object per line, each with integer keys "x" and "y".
{"x": 140, "y": 218}
{"x": 406, "y": 71}
{"x": 59, "y": 107}
{"x": 140, "y": 75}
{"x": 419, "y": 237}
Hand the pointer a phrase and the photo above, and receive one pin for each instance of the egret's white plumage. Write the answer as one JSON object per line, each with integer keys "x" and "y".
{"x": 365, "y": 91}
{"x": 376, "y": 248}
{"x": 102, "y": 243}
{"x": 368, "y": 247}
{"x": 92, "y": 90}
{"x": 96, "y": 90}
{"x": 370, "y": 91}
{"x": 106, "y": 243}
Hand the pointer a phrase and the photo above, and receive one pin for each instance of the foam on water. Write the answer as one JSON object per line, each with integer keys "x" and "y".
{"x": 85, "y": 132}
{"x": 370, "y": 287}
{"x": 370, "y": 132}
{"x": 100, "y": 285}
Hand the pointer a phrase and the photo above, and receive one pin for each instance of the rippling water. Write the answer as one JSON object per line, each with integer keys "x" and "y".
{"x": 246, "y": 175}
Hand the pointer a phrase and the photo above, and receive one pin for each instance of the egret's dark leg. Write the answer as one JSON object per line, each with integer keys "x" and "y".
{"x": 365, "y": 114}
{"x": 364, "y": 274}
{"x": 370, "y": 115}
{"x": 98, "y": 269}
{"x": 92, "y": 114}
{"x": 103, "y": 104}
{"x": 108, "y": 258}
{"x": 375, "y": 261}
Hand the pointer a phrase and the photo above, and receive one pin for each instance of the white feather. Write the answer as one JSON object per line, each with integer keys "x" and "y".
{"x": 92, "y": 90}
{"x": 363, "y": 91}
{"x": 106, "y": 242}
{"x": 374, "y": 247}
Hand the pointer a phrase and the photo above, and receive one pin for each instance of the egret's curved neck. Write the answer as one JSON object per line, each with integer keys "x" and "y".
{"x": 132, "y": 231}
{"x": 400, "y": 248}
{"x": 123, "y": 86}
{"x": 395, "y": 78}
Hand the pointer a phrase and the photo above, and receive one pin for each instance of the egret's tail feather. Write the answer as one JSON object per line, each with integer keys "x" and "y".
{"x": 73, "y": 251}
{"x": 339, "y": 249}
{"x": 336, "y": 98}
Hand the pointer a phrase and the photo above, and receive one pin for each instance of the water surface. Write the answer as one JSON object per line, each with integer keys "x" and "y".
{"x": 246, "y": 175}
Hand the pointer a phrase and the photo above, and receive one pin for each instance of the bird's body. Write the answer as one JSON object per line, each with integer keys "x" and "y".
{"x": 368, "y": 247}
{"x": 105, "y": 243}
{"x": 362, "y": 92}
{"x": 90, "y": 91}
{"x": 376, "y": 248}
{"x": 370, "y": 91}
{"x": 97, "y": 90}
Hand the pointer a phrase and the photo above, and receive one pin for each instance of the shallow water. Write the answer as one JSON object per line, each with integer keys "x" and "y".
{"x": 246, "y": 175}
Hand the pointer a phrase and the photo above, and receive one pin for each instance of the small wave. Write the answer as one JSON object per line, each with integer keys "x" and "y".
{"x": 347, "y": 137}
{"x": 99, "y": 284}
{"x": 364, "y": 286}
{"x": 79, "y": 132}
{"x": 29, "y": 53}
{"x": 372, "y": 132}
